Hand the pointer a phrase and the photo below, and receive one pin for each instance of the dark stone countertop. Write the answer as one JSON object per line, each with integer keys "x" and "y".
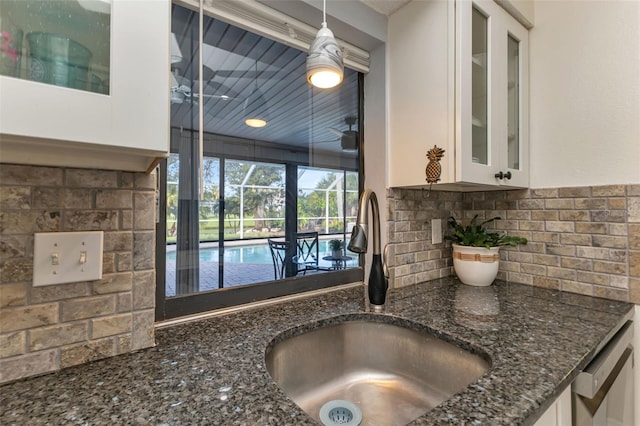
{"x": 212, "y": 372}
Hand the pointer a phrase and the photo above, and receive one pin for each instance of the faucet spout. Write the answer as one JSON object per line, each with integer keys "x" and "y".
{"x": 378, "y": 284}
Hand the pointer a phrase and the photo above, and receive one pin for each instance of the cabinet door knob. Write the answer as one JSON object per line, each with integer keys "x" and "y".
{"x": 501, "y": 175}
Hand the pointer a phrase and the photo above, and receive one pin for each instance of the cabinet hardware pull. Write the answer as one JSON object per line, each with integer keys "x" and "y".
{"x": 501, "y": 175}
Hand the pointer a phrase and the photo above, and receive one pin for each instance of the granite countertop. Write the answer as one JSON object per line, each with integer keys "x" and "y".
{"x": 212, "y": 372}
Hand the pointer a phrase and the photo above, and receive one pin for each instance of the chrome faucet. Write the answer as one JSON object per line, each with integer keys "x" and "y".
{"x": 358, "y": 244}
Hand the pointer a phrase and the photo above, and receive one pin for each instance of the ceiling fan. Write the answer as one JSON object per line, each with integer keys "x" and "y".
{"x": 348, "y": 138}
{"x": 181, "y": 91}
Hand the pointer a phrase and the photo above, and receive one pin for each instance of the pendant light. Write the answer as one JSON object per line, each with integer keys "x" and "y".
{"x": 176, "y": 53}
{"x": 251, "y": 110}
{"x": 325, "y": 68}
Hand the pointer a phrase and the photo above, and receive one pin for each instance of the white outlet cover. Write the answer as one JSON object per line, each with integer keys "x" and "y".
{"x": 68, "y": 250}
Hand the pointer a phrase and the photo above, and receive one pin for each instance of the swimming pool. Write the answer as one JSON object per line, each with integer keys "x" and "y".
{"x": 255, "y": 253}
{"x": 247, "y": 264}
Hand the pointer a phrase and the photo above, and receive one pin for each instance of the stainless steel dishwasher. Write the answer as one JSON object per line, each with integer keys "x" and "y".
{"x": 602, "y": 394}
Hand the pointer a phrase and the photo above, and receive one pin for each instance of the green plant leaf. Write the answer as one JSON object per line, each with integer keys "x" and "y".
{"x": 476, "y": 235}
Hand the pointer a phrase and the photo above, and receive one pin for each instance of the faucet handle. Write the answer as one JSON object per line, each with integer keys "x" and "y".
{"x": 385, "y": 267}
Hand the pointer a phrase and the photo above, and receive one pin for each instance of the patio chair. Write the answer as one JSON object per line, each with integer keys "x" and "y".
{"x": 279, "y": 250}
{"x": 307, "y": 252}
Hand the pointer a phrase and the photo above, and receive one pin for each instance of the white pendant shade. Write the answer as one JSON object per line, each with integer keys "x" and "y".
{"x": 176, "y": 53}
{"x": 325, "y": 67}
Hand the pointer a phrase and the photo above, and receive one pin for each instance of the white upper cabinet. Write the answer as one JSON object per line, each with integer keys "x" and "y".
{"x": 458, "y": 79}
{"x": 85, "y": 83}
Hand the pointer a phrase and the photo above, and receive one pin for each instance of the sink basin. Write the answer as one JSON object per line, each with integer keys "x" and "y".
{"x": 392, "y": 373}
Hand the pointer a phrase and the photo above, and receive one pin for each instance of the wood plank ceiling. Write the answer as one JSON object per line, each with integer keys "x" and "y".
{"x": 236, "y": 62}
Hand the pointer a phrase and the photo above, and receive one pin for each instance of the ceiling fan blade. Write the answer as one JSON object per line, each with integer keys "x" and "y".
{"x": 221, "y": 97}
{"x": 244, "y": 74}
{"x": 181, "y": 91}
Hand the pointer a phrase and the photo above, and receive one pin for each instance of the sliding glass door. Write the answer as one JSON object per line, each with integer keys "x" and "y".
{"x": 254, "y": 211}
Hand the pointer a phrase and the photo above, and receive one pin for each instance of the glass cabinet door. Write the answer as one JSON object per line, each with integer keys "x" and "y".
{"x": 514, "y": 153}
{"x": 492, "y": 98}
{"x": 60, "y": 42}
{"x": 513, "y": 103}
{"x": 479, "y": 89}
{"x": 84, "y": 82}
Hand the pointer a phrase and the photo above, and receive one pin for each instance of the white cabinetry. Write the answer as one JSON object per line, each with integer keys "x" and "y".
{"x": 559, "y": 413}
{"x": 124, "y": 124}
{"x": 458, "y": 79}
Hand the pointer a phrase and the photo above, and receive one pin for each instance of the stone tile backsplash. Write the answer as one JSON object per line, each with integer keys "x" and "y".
{"x": 43, "y": 329}
{"x": 581, "y": 239}
{"x": 412, "y": 258}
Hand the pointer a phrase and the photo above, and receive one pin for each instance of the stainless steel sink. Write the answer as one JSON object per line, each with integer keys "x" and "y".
{"x": 393, "y": 374}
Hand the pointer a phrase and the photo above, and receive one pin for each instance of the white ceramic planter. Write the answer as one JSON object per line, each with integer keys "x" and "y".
{"x": 476, "y": 266}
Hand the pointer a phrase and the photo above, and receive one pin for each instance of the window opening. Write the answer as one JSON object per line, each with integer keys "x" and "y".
{"x": 299, "y": 174}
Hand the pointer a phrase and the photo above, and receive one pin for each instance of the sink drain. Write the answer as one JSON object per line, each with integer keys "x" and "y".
{"x": 340, "y": 412}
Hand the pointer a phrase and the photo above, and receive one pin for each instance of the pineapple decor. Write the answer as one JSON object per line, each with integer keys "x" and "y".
{"x": 434, "y": 169}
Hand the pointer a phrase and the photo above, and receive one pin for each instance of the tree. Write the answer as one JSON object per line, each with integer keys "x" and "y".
{"x": 209, "y": 206}
{"x": 313, "y": 204}
{"x": 262, "y": 191}
{"x": 172, "y": 193}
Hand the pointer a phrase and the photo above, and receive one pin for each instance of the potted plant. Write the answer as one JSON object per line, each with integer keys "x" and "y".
{"x": 336, "y": 248}
{"x": 476, "y": 250}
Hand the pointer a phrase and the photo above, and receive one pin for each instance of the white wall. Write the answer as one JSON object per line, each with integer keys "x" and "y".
{"x": 585, "y": 93}
{"x": 375, "y": 135}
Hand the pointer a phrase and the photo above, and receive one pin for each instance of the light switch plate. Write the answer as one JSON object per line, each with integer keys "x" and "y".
{"x": 67, "y": 257}
{"x": 436, "y": 231}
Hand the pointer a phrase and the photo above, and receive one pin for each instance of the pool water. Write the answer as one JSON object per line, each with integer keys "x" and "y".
{"x": 257, "y": 253}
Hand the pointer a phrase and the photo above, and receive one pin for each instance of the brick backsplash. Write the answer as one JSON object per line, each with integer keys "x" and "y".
{"x": 581, "y": 239}
{"x": 411, "y": 257}
{"x": 43, "y": 329}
